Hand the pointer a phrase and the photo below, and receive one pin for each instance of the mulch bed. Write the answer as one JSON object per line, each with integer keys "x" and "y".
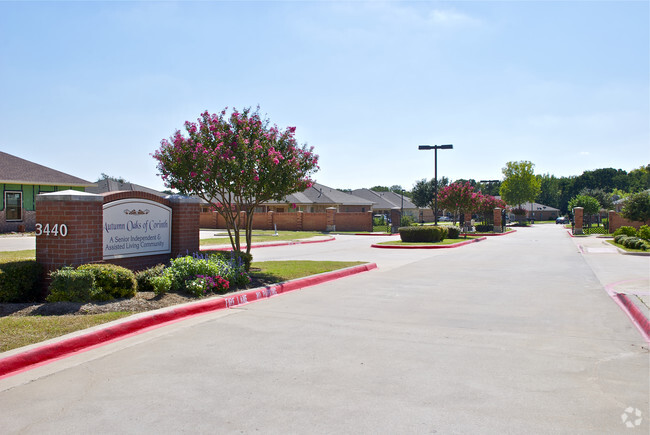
{"x": 143, "y": 301}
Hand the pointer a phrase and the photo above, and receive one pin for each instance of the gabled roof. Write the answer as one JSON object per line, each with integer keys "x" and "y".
{"x": 320, "y": 194}
{"x": 14, "y": 170}
{"x": 384, "y": 200}
{"x": 106, "y": 185}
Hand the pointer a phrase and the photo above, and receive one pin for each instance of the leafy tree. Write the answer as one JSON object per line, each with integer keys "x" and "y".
{"x": 604, "y": 198}
{"x": 423, "y": 194}
{"x": 396, "y": 188}
{"x": 590, "y": 204}
{"x": 639, "y": 179}
{"x": 380, "y": 189}
{"x": 235, "y": 164}
{"x": 488, "y": 188}
{"x": 520, "y": 184}
{"x": 637, "y": 207}
{"x": 550, "y": 190}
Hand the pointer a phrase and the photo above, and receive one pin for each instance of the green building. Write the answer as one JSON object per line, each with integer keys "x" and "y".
{"x": 20, "y": 182}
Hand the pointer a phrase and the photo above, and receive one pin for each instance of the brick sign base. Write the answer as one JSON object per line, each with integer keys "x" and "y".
{"x": 69, "y": 228}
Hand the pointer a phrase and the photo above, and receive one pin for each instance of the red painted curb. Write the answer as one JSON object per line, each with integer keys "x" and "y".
{"x": 638, "y": 318}
{"x": 455, "y": 245}
{"x": 272, "y": 245}
{"x": 11, "y": 365}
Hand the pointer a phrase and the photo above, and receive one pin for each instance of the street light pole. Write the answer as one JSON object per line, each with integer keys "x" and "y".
{"x": 435, "y": 149}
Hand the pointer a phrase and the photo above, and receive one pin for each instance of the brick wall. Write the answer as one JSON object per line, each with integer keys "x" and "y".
{"x": 314, "y": 221}
{"x": 616, "y": 221}
{"x": 296, "y": 221}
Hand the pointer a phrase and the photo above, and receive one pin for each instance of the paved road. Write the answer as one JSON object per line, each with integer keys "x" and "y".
{"x": 511, "y": 335}
{"x": 17, "y": 243}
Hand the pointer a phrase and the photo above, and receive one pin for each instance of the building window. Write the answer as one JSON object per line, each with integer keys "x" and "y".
{"x": 13, "y": 206}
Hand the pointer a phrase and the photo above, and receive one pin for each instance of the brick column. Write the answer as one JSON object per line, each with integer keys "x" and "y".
{"x": 369, "y": 226}
{"x": 331, "y": 219}
{"x": 498, "y": 227}
{"x": 395, "y": 219}
{"x": 269, "y": 220}
{"x": 301, "y": 219}
{"x": 185, "y": 224}
{"x": 578, "y": 214}
{"x": 611, "y": 217}
{"x": 77, "y": 219}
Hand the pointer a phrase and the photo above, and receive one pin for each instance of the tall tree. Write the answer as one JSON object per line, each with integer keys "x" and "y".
{"x": 459, "y": 198}
{"x": 520, "y": 184}
{"x": 236, "y": 163}
{"x": 423, "y": 194}
{"x": 637, "y": 207}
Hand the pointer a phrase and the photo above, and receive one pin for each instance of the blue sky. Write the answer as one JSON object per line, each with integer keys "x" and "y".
{"x": 93, "y": 87}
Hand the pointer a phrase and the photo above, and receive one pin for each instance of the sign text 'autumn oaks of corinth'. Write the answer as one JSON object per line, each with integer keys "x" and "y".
{"x": 136, "y": 227}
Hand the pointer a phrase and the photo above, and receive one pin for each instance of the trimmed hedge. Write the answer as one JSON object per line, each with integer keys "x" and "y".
{"x": 91, "y": 282}
{"x": 632, "y": 242}
{"x": 115, "y": 281}
{"x": 453, "y": 232}
{"x": 423, "y": 234}
{"x": 19, "y": 281}
{"x": 484, "y": 228}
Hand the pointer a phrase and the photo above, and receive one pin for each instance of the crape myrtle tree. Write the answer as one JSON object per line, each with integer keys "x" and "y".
{"x": 486, "y": 206}
{"x": 236, "y": 163}
{"x": 459, "y": 198}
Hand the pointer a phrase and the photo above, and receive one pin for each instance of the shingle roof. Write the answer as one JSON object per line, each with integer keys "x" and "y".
{"x": 320, "y": 194}
{"x": 106, "y": 185}
{"x": 384, "y": 200}
{"x": 14, "y": 170}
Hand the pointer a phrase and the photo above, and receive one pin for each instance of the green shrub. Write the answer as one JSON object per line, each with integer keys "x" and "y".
{"x": 160, "y": 284}
{"x": 407, "y": 221}
{"x": 19, "y": 281}
{"x": 620, "y": 238}
{"x": 113, "y": 281}
{"x": 453, "y": 232}
{"x": 144, "y": 277}
{"x": 644, "y": 232}
{"x": 71, "y": 285}
{"x": 423, "y": 234}
{"x": 627, "y": 231}
{"x": 484, "y": 228}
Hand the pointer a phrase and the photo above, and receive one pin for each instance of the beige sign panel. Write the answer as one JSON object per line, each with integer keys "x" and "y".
{"x": 136, "y": 227}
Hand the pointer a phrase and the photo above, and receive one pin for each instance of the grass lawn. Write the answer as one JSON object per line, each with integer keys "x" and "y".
{"x": 612, "y": 242}
{"x": 7, "y": 256}
{"x": 18, "y": 331}
{"x": 285, "y": 270}
{"x": 264, "y": 236}
{"x": 444, "y": 242}
{"x": 21, "y": 331}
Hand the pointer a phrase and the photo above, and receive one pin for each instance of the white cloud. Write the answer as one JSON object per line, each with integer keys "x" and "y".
{"x": 451, "y": 18}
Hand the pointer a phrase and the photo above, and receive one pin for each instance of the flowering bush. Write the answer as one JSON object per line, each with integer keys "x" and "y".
{"x": 201, "y": 273}
{"x": 235, "y": 163}
{"x": 202, "y": 285}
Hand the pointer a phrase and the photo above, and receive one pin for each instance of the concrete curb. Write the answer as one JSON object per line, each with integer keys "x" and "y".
{"x": 455, "y": 245}
{"x": 46, "y": 353}
{"x": 272, "y": 245}
{"x": 640, "y": 321}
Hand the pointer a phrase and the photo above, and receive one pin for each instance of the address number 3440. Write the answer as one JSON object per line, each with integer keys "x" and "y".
{"x": 54, "y": 230}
